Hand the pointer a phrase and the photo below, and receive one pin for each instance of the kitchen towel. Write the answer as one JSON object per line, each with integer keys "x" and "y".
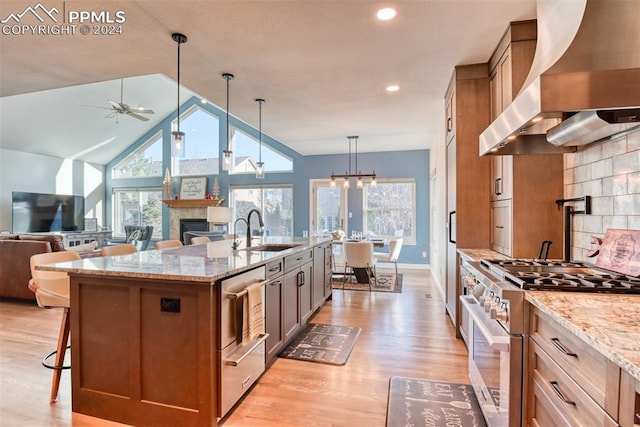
{"x": 253, "y": 320}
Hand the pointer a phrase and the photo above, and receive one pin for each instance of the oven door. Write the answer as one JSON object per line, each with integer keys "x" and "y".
{"x": 495, "y": 367}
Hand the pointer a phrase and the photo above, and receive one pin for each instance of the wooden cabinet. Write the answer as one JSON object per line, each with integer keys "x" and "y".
{"x": 321, "y": 274}
{"x": 569, "y": 383}
{"x": 468, "y": 201}
{"x": 296, "y": 307}
{"x": 274, "y": 303}
{"x": 629, "y": 413}
{"x": 523, "y": 187}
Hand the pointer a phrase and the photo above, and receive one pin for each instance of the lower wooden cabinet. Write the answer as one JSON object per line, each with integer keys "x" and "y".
{"x": 274, "y": 299}
{"x": 629, "y": 414}
{"x": 570, "y": 384}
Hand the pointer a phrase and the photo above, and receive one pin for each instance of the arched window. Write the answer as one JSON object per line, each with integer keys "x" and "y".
{"x": 144, "y": 162}
{"x": 246, "y": 152}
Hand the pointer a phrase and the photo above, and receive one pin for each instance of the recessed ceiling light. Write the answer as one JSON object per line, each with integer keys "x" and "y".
{"x": 386, "y": 13}
{"x": 204, "y": 101}
{"x": 393, "y": 88}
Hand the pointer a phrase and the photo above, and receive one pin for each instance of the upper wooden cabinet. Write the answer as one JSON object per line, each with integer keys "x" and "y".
{"x": 510, "y": 64}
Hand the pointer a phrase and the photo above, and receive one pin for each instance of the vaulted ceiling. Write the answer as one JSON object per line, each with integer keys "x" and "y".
{"x": 321, "y": 65}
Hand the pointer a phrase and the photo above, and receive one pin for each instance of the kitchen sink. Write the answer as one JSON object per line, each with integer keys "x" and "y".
{"x": 273, "y": 247}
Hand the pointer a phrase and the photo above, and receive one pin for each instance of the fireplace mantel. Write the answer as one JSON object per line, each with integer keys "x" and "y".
{"x": 192, "y": 203}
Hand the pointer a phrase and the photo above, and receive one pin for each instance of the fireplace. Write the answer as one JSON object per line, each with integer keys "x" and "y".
{"x": 192, "y": 224}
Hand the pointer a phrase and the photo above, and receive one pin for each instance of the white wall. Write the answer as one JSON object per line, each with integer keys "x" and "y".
{"x": 35, "y": 173}
{"x": 609, "y": 172}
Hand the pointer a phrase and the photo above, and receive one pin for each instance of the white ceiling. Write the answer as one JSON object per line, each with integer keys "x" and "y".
{"x": 321, "y": 65}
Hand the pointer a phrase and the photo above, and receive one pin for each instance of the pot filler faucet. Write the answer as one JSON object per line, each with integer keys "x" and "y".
{"x": 569, "y": 211}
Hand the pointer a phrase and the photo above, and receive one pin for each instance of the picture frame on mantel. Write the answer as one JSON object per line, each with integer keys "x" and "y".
{"x": 193, "y": 188}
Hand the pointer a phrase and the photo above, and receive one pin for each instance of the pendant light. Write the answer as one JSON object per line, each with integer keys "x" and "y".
{"x": 178, "y": 137}
{"x": 260, "y": 164}
{"x": 226, "y": 161}
{"x": 359, "y": 175}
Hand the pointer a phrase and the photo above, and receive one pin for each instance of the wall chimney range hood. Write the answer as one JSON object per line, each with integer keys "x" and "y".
{"x": 584, "y": 82}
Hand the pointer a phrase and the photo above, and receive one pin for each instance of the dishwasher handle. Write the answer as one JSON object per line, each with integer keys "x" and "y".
{"x": 237, "y": 360}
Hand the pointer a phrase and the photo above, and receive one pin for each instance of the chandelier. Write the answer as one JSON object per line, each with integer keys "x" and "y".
{"x": 360, "y": 177}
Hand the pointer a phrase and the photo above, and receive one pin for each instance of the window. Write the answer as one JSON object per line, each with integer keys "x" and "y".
{"x": 201, "y": 144}
{"x": 145, "y": 162}
{"x": 137, "y": 207}
{"x": 246, "y": 152}
{"x": 390, "y": 209}
{"x": 275, "y": 204}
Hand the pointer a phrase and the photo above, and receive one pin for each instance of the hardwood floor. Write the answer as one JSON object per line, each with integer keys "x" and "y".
{"x": 405, "y": 334}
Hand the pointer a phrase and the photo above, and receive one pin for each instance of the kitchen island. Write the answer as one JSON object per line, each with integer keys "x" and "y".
{"x": 146, "y": 327}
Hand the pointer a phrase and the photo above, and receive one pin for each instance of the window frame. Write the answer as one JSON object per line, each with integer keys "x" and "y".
{"x": 265, "y": 146}
{"x": 183, "y": 117}
{"x": 153, "y": 139}
{"x": 408, "y": 240}
{"x": 232, "y": 201}
{"x": 157, "y": 232}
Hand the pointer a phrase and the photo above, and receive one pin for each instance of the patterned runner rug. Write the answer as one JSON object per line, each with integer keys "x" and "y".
{"x": 386, "y": 283}
{"x": 416, "y": 402}
{"x": 323, "y": 343}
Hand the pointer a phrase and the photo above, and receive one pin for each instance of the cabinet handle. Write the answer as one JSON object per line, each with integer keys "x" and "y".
{"x": 497, "y": 187}
{"x": 556, "y": 389}
{"x": 271, "y": 270}
{"x": 559, "y": 346}
{"x": 449, "y": 124}
{"x": 499, "y": 226}
{"x": 275, "y": 283}
{"x": 451, "y": 214}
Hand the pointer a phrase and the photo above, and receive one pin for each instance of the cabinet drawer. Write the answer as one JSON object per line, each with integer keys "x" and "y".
{"x": 296, "y": 260}
{"x": 555, "y": 399}
{"x": 275, "y": 269}
{"x": 590, "y": 369}
{"x": 501, "y": 227}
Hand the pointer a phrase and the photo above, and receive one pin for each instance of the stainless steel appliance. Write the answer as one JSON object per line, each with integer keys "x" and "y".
{"x": 494, "y": 306}
{"x": 240, "y": 365}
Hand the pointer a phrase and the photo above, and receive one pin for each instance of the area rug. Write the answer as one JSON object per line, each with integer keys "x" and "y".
{"x": 386, "y": 283}
{"x": 416, "y": 402}
{"x": 323, "y": 344}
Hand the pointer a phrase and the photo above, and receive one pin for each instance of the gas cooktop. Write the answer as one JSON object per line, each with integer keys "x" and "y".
{"x": 558, "y": 275}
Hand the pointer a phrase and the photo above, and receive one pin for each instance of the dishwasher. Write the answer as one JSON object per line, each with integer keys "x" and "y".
{"x": 241, "y": 364}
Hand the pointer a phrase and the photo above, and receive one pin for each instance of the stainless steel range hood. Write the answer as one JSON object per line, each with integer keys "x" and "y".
{"x": 587, "y": 59}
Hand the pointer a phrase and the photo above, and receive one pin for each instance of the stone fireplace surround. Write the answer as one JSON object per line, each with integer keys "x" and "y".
{"x": 176, "y": 214}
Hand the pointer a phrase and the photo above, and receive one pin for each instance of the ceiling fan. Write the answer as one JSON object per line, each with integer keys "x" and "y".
{"x": 120, "y": 108}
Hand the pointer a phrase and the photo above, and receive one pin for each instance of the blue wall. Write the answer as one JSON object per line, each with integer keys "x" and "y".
{"x": 397, "y": 164}
{"x": 405, "y": 164}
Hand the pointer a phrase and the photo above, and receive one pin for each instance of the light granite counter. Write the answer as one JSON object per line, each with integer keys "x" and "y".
{"x": 610, "y": 323}
{"x": 474, "y": 255}
{"x": 204, "y": 263}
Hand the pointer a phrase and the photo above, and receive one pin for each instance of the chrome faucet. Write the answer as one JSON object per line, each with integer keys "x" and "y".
{"x": 248, "y": 221}
{"x": 235, "y": 226}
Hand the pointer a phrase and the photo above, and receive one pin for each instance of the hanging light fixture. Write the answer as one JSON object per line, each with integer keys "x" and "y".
{"x": 178, "y": 137}
{"x": 359, "y": 175}
{"x": 226, "y": 162}
{"x": 260, "y": 164}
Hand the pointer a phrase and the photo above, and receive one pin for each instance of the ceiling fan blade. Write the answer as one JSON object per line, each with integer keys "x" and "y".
{"x": 111, "y": 115}
{"x": 143, "y": 111}
{"x": 95, "y": 106}
{"x": 137, "y": 116}
{"x": 115, "y": 105}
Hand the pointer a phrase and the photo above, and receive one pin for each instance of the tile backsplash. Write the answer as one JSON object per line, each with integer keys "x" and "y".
{"x": 609, "y": 172}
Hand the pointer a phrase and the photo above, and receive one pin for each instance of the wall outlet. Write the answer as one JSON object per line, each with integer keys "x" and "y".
{"x": 424, "y": 254}
{"x": 350, "y": 214}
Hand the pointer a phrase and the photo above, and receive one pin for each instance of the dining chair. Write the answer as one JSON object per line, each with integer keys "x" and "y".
{"x": 200, "y": 240}
{"x": 360, "y": 255}
{"x": 165, "y": 244}
{"x": 52, "y": 289}
{"x": 123, "y": 249}
{"x": 395, "y": 245}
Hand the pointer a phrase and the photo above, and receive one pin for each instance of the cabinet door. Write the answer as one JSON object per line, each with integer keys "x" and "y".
{"x": 501, "y": 227}
{"x": 506, "y": 94}
{"x": 290, "y": 316}
{"x": 305, "y": 283}
{"x": 501, "y": 177}
{"x": 273, "y": 318}
{"x": 450, "y": 115}
{"x": 317, "y": 286}
{"x": 328, "y": 289}
{"x": 496, "y": 94}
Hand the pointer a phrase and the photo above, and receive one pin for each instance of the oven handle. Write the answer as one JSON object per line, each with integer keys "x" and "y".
{"x": 235, "y": 362}
{"x": 496, "y": 342}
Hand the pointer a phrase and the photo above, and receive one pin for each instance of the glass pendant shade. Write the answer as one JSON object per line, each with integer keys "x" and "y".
{"x": 333, "y": 183}
{"x": 345, "y": 184}
{"x": 260, "y": 170}
{"x": 347, "y": 175}
{"x": 360, "y": 183}
{"x": 178, "y": 144}
{"x": 226, "y": 161}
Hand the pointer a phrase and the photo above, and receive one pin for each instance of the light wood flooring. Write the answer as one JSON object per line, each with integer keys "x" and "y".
{"x": 405, "y": 334}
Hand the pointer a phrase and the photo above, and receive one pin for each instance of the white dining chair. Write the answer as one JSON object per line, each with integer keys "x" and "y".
{"x": 395, "y": 245}
{"x": 360, "y": 255}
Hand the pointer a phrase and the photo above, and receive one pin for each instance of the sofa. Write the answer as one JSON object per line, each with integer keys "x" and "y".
{"x": 15, "y": 255}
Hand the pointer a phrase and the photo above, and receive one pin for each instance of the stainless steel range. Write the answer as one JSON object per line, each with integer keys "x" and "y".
{"x": 494, "y": 309}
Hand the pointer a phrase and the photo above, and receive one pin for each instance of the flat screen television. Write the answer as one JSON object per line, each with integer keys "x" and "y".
{"x": 38, "y": 212}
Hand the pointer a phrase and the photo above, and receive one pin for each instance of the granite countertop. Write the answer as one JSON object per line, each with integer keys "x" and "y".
{"x": 474, "y": 255}
{"x": 608, "y": 323}
{"x": 204, "y": 263}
